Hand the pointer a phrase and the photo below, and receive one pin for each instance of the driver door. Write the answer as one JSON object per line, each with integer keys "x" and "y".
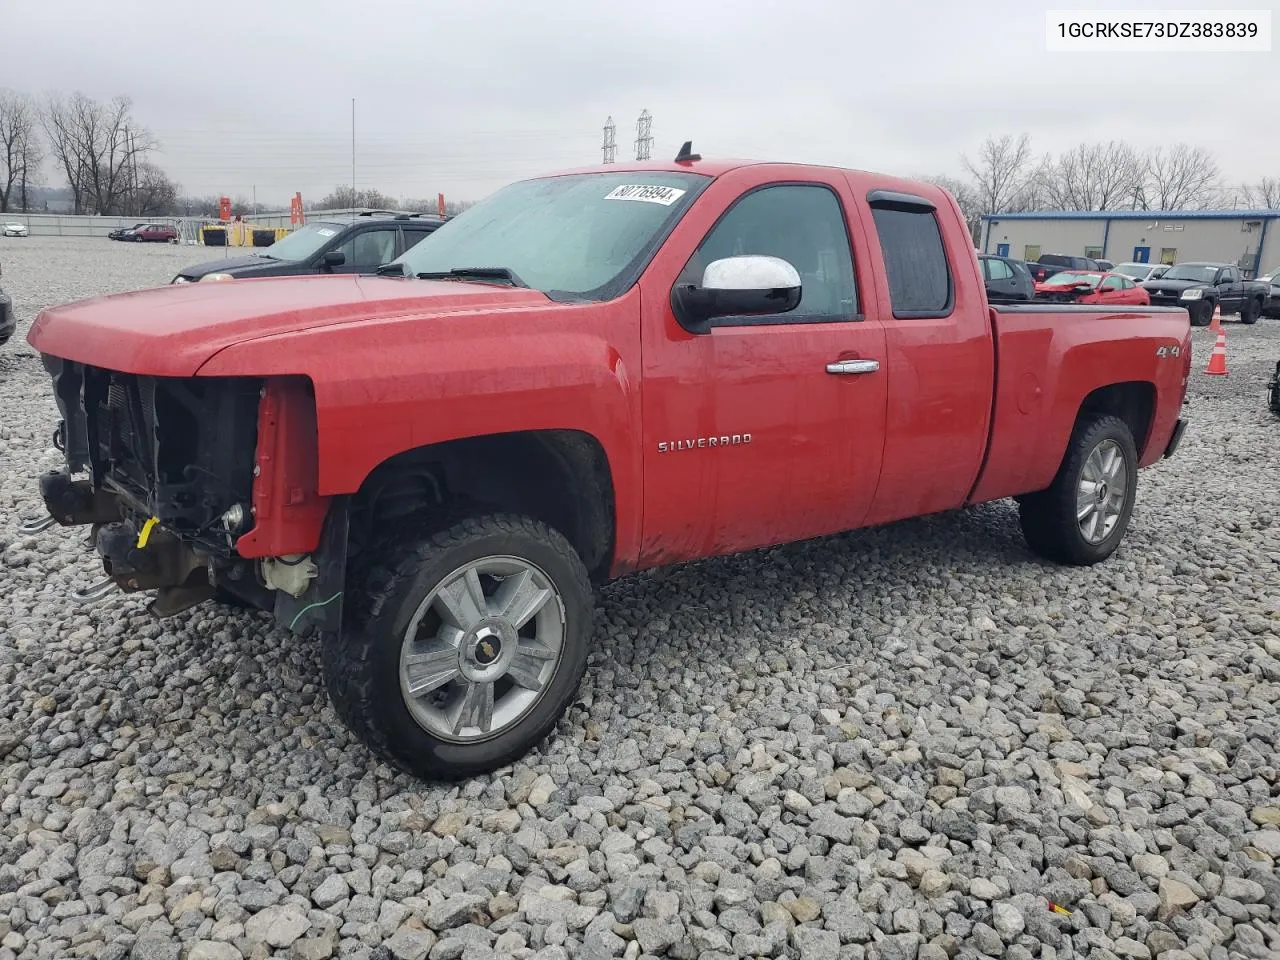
{"x": 761, "y": 430}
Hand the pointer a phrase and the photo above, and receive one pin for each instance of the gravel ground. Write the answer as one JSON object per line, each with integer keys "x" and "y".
{"x": 893, "y": 744}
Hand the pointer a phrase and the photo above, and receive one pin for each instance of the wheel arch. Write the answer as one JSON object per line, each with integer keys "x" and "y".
{"x": 561, "y": 477}
{"x": 1133, "y": 401}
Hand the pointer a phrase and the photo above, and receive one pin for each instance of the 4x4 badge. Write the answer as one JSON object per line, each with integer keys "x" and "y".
{"x": 1168, "y": 351}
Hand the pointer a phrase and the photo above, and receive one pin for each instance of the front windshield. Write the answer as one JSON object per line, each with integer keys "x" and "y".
{"x": 1072, "y": 279}
{"x": 303, "y": 242}
{"x": 1132, "y": 269}
{"x": 575, "y": 237}
{"x": 1192, "y": 271}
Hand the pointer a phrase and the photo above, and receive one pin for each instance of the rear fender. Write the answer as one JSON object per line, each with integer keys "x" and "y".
{"x": 1049, "y": 365}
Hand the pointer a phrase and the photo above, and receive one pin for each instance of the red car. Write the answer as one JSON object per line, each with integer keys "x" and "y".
{"x": 150, "y": 233}
{"x": 1093, "y": 286}
{"x": 584, "y": 375}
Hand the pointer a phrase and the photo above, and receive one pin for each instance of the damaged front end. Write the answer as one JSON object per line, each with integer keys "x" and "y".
{"x": 197, "y": 488}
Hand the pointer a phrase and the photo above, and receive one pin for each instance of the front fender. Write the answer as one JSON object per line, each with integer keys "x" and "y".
{"x": 384, "y": 387}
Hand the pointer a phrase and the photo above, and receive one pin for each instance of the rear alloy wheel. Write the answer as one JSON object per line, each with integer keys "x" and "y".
{"x": 1082, "y": 517}
{"x": 462, "y": 650}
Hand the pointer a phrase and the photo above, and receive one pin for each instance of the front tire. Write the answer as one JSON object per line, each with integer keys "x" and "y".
{"x": 1201, "y": 314}
{"x": 1083, "y": 515}
{"x": 462, "y": 648}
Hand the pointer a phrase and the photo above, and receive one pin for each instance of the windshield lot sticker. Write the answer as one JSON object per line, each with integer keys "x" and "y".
{"x": 326, "y": 232}
{"x": 646, "y": 193}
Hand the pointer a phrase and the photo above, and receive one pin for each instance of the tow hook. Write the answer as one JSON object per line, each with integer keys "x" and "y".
{"x": 33, "y": 525}
{"x": 147, "y": 557}
{"x": 96, "y": 592}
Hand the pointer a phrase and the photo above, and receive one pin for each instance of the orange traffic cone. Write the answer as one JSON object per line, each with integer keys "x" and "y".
{"x": 1218, "y": 359}
{"x": 1216, "y": 323}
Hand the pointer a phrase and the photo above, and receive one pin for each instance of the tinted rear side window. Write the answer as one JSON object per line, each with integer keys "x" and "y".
{"x": 914, "y": 258}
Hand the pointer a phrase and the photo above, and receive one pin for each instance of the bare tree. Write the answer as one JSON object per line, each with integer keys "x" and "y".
{"x": 345, "y": 198}
{"x": 98, "y": 147}
{"x": 451, "y": 207}
{"x": 19, "y": 146}
{"x": 1094, "y": 176}
{"x": 154, "y": 195}
{"x": 1265, "y": 194}
{"x": 1181, "y": 177}
{"x": 966, "y": 196}
{"x": 1000, "y": 173}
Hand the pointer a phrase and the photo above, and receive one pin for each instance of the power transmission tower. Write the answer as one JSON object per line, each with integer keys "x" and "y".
{"x": 644, "y": 139}
{"x": 610, "y": 148}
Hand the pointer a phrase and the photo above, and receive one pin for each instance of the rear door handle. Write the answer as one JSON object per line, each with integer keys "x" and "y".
{"x": 853, "y": 366}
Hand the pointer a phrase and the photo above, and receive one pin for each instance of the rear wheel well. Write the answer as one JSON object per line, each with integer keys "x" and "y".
{"x": 1133, "y": 402}
{"x": 560, "y": 477}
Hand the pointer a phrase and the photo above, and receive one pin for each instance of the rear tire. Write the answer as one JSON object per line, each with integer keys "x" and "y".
{"x": 1250, "y": 310}
{"x": 1083, "y": 515}
{"x": 446, "y": 682}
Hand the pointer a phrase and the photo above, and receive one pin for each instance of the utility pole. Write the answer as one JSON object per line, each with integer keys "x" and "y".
{"x": 353, "y": 152}
{"x": 610, "y": 148}
{"x": 644, "y": 138}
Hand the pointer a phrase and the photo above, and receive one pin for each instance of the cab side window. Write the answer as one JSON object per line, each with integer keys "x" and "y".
{"x": 914, "y": 259}
{"x": 804, "y": 225}
{"x": 1112, "y": 283}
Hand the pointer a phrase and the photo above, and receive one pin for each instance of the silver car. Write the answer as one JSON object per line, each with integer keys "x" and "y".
{"x": 1141, "y": 272}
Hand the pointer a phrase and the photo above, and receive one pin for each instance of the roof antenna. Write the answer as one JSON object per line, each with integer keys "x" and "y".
{"x": 686, "y": 154}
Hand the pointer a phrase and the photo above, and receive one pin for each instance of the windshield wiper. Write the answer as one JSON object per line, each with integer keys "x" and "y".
{"x": 475, "y": 273}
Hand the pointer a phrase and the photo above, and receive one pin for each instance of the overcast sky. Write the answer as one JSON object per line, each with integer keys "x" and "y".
{"x": 462, "y": 97}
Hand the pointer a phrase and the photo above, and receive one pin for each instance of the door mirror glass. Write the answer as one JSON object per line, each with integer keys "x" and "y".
{"x": 752, "y": 285}
{"x": 334, "y": 258}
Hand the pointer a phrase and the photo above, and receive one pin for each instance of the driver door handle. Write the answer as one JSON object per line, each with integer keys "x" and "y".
{"x": 853, "y": 366}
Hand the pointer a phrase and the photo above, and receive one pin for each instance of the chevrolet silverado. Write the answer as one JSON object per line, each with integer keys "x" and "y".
{"x": 585, "y": 375}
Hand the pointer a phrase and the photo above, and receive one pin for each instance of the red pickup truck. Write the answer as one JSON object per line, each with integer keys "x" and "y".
{"x": 585, "y": 375}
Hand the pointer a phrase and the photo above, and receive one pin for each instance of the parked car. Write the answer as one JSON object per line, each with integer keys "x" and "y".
{"x": 583, "y": 376}
{"x": 1202, "y": 286}
{"x": 1051, "y": 263}
{"x": 125, "y": 233}
{"x": 1006, "y": 279}
{"x": 1074, "y": 286}
{"x": 15, "y": 229}
{"x": 1141, "y": 272}
{"x": 1271, "y": 307}
{"x": 355, "y": 244}
{"x": 149, "y": 233}
{"x": 1106, "y": 265}
{"x": 8, "y": 321}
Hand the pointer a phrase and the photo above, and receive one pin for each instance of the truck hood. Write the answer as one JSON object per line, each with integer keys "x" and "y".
{"x": 1172, "y": 286}
{"x": 239, "y": 266}
{"x": 172, "y": 331}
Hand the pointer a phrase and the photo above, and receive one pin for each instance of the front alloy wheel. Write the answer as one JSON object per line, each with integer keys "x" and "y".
{"x": 462, "y": 646}
{"x": 481, "y": 648}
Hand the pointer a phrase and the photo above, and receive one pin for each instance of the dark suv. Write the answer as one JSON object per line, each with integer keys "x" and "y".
{"x": 359, "y": 243}
{"x": 1052, "y": 263}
